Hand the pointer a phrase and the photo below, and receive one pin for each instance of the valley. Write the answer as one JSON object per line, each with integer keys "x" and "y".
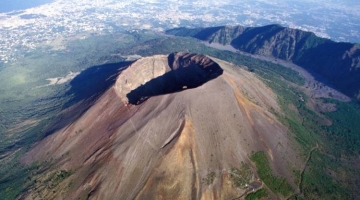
{"x": 315, "y": 86}
{"x": 335, "y": 63}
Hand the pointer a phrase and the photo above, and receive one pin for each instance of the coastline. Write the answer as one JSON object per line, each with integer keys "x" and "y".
{"x": 16, "y": 5}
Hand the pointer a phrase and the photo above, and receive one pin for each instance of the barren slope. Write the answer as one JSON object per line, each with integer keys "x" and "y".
{"x": 164, "y": 143}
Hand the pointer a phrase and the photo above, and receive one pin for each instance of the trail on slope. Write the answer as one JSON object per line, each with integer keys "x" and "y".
{"x": 303, "y": 171}
{"x": 305, "y": 166}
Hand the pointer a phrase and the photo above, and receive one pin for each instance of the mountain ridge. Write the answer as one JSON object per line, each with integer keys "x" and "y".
{"x": 338, "y": 62}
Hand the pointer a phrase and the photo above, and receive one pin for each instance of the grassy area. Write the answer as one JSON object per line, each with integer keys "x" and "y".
{"x": 210, "y": 177}
{"x": 56, "y": 178}
{"x": 260, "y": 194}
{"x": 278, "y": 185}
{"x": 344, "y": 132}
{"x": 320, "y": 182}
{"x": 17, "y": 179}
{"x": 305, "y": 125}
{"x": 241, "y": 176}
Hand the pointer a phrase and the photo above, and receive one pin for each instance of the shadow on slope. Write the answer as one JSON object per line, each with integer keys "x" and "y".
{"x": 85, "y": 89}
{"x": 186, "y": 72}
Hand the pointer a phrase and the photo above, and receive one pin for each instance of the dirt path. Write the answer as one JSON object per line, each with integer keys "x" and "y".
{"x": 305, "y": 166}
{"x": 243, "y": 195}
{"x": 252, "y": 188}
{"x": 303, "y": 172}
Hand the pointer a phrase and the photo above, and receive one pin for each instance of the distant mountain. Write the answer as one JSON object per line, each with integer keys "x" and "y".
{"x": 338, "y": 62}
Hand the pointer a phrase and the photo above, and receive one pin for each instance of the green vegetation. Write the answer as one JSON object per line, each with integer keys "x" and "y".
{"x": 56, "y": 178}
{"x": 18, "y": 177}
{"x": 209, "y": 178}
{"x": 241, "y": 177}
{"x": 308, "y": 129}
{"x": 306, "y": 126}
{"x": 313, "y": 41}
{"x": 320, "y": 182}
{"x": 301, "y": 121}
{"x": 276, "y": 184}
{"x": 260, "y": 194}
{"x": 295, "y": 197}
{"x": 344, "y": 132}
{"x": 297, "y": 176}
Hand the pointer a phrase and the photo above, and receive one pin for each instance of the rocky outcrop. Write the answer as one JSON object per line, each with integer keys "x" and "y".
{"x": 139, "y": 73}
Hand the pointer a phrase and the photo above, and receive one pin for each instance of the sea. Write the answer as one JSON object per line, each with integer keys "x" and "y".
{"x": 15, "y": 5}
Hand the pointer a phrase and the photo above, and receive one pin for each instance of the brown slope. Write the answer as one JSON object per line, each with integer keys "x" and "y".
{"x": 165, "y": 147}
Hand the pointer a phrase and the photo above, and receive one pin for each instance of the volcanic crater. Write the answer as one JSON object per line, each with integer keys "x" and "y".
{"x": 169, "y": 74}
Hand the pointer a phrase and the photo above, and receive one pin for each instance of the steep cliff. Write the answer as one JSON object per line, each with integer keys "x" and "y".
{"x": 339, "y": 63}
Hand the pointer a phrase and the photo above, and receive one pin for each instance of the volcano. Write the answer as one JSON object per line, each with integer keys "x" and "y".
{"x": 172, "y": 126}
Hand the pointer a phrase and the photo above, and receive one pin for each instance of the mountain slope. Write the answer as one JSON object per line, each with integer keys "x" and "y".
{"x": 180, "y": 143}
{"x": 339, "y": 63}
